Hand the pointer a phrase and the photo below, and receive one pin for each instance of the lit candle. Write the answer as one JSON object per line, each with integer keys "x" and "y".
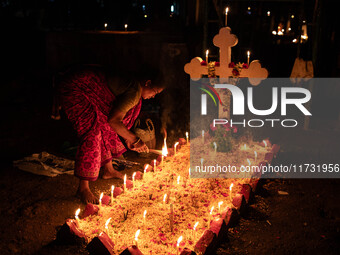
{"x": 175, "y": 147}
{"x": 203, "y": 136}
{"x": 265, "y": 143}
{"x": 112, "y": 190}
{"x": 215, "y": 147}
{"x": 136, "y": 237}
{"x": 100, "y": 199}
{"x": 249, "y": 161}
{"x": 178, "y": 178}
{"x": 133, "y": 179}
{"x": 206, "y": 56}
{"x": 154, "y": 165}
{"x": 219, "y": 206}
{"x": 178, "y": 242}
{"x": 164, "y": 198}
{"x": 226, "y": 16}
{"x": 107, "y": 226}
{"x": 202, "y": 160}
{"x": 187, "y": 135}
{"x": 105, "y": 26}
{"x": 125, "y": 182}
{"x": 144, "y": 216}
{"x": 164, "y": 151}
{"x": 255, "y": 153}
{"x": 230, "y": 190}
{"x": 248, "y": 56}
{"x": 245, "y": 147}
{"x": 194, "y": 230}
{"x": 125, "y": 26}
{"x": 76, "y": 215}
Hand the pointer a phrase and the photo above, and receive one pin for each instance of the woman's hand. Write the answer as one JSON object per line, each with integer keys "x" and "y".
{"x": 138, "y": 146}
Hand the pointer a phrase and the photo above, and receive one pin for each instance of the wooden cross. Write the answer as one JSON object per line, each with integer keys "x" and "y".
{"x": 225, "y": 40}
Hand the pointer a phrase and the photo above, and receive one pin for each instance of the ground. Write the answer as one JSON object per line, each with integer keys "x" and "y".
{"x": 307, "y": 220}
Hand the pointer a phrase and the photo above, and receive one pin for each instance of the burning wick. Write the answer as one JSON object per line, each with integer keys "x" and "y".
{"x": 178, "y": 242}
{"x": 154, "y": 165}
{"x": 206, "y": 56}
{"x": 112, "y": 190}
{"x": 76, "y": 215}
{"x": 146, "y": 166}
{"x": 178, "y": 178}
{"x": 175, "y": 147}
{"x": 265, "y": 143}
{"x": 203, "y": 136}
{"x": 249, "y": 161}
{"x": 144, "y": 216}
{"x": 105, "y": 26}
{"x": 164, "y": 199}
{"x": 125, "y": 26}
{"x": 125, "y": 182}
{"x": 187, "y": 135}
{"x": 230, "y": 190}
{"x": 100, "y": 199}
{"x": 226, "y": 16}
{"x": 136, "y": 237}
{"x": 219, "y": 206}
{"x": 255, "y": 155}
{"x": 195, "y": 226}
{"x": 107, "y": 226}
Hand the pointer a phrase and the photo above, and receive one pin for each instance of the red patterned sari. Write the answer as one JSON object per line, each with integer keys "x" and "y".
{"x": 87, "y": 101}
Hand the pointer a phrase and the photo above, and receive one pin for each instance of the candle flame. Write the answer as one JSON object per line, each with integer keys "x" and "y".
{"x": 105, "y": 25}
{"x": 265, "y": 143}
{"x": 231, "y": 186}
{"x": 77, "y": 213}
{"x": 101, "y": 196}
{"x": 187, "y": 134}
{"x": 107, "y": 223}
{"x": 144, "y": 213}
{"x": 176, "y": 144}
{"x": 212, "y": 208}
{"x": 195, "y": 226}
{"x": 207, "y": 52}
{"x": 248, "y": 161}
{"x": 125, "y": 179}
{"x": 248, "y": 53}
{"x": 179, "y": 240}
{"x": 165, "y": 149}
{"x": 164, "y": 198}
{"x": 112, "y": 188}
{"x": 219, "y": 204}
{"x": 215, "y": 145}
{"x": 133, "y": 176}
{"x": 203, "y": 133}
{"x": 125, "y": 25}
{"x": 226, "y": 10}
{"x": 178, "y": 178}
{"x": 137, "y": 234}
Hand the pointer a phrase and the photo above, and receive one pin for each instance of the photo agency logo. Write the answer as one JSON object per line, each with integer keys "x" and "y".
{"x": 296, "y": 96}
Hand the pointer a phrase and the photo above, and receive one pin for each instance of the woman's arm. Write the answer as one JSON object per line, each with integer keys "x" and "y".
{"x": 116, "y": 122}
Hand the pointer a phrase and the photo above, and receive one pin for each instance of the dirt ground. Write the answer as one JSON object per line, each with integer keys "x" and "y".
{"x": 307, "y": 221}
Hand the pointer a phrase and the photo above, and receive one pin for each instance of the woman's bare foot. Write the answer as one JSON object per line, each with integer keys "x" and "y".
{"x": 110, "y": 172}
{"x": 85, "y": 194}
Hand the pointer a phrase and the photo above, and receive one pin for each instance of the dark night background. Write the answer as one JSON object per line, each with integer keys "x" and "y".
{"x": 40, "y": 38}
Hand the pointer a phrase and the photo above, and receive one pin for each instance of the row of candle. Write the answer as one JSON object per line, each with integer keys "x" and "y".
{"x": 207, "y": 56}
